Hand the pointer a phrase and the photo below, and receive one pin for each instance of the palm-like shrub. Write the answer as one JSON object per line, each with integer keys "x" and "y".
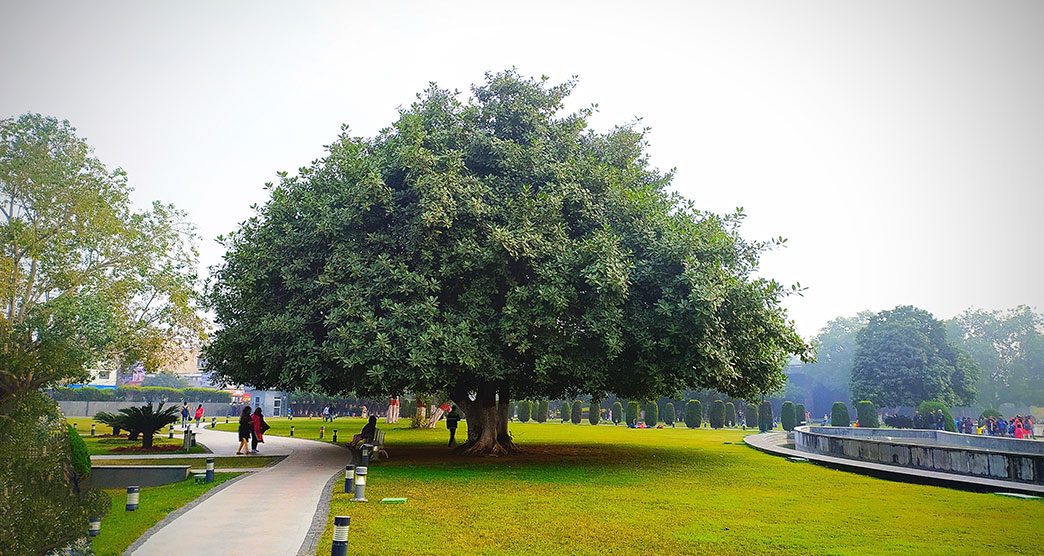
{"x": 693, "y": 414}
{"x": 866, "y": 412}
{"x": 839, "y": 416}
{"x": 717, "y": 414}
{"x": 765, "y": 416}
{"x": 617, "y": 414}
{"x": 594, "y": 413}
{"x": 140, "y": 420}
{"x": 730, "y": 415}
{"x": 111, "y": 420}
{"x": 787, "y": 416}
{"x": 669, "y": 414}
{"x": 578, "y": 412}
{"x": 651, "y": 414}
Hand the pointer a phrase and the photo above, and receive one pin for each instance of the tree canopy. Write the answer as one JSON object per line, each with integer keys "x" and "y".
{"x": 495, "y": 248}
{"x": 904, "y": 357}
{"x": 83, "y": 277}
{"x": 1009, "y": 349}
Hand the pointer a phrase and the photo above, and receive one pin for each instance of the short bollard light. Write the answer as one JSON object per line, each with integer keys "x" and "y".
{"x": 349, "y": 478}
{"x": 365, "y": 453}
{"x": 213, "y": 422}
{"x": 322, "y": 430}
{"x": 132, "y": 498}
{"x": 360, "y": 484}
{"x": 335, "y": 435}
{"x": 340, "y": 539}
{"x": 92, "y": 429}
{"x": 226, "y": 419}
{"x": 291, "y": 430}
{"x": 193, "y": 440}
{"x": 94, "y": 526}
{"x": 210, "y": 470}
{"x": 170, "y": 431}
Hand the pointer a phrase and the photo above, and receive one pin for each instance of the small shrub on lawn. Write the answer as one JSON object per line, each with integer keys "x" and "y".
{"x": 632, "y": 413}
{"x": 567, "y": 411}
{"x": 651, "y": 414}
{"x": 786, "y": 415}
{"x": 866, "y": 412}
{"x": 750, "y": 416}
{"x": 927, "y": 408}
{"x": 578, "y": 412}
{"x": 669, "y": 414}
{"x": 730, "y": 414}
{"x": 594, "y": 413}
{"x": 839, "y": 415}
{"x": 524, "y": 409}
{"x": 617, "y": 414}
{"x": 765, "y": 416}
{"x": 799, "y": 415}
{"x": 717, "y": 414}
{"x": 693, "y": 414}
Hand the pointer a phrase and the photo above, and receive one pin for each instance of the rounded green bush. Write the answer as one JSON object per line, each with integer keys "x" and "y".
{"x": 750, "y": 415}
{"x": 525, "y": 408}
{"x": 928, "y": 406}
{"x": 799, "y": 415}
{"x": 578, "y": 412}
{"x": 990, "y": 412}
{"x": 787, "y": 416}
{"x": 617, "y": 414}
{"x": 730, "y": 414}
{"x": 541, "y": 411}
{"x": 567, "y": 411}
{"x": 693, "y": 414}
{"x": 651, "y": 414}
{"x": 81, "y": 458}
{"x": 633, "y": 409}
{"x": 839, "y": 416}
{"x": 717, "y": 414}
{"x": 866, "y": 412}
{"x": 765, "y": 416}
{"x": 669, "y": 414}
{"x": 594, "y": 413}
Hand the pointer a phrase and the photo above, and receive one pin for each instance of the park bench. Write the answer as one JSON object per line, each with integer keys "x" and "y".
{"x": 378, "y": 448}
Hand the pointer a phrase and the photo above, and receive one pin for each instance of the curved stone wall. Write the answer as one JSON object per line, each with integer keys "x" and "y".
{"x": 981, "y": 456}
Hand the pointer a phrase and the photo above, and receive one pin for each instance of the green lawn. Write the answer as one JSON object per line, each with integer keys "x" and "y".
{"x": 198, "y": 463}
{"x": 309, "y": 428}
{"x": 110, "y": 445}
{"x": 120, "y": 528}
{"x": 582, "y": 489}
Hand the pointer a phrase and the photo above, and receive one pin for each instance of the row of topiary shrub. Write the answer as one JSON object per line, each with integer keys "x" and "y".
{"x": 139, "y": 394}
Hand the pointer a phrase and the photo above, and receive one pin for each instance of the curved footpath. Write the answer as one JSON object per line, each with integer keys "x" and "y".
{"x": 267, "y": 512}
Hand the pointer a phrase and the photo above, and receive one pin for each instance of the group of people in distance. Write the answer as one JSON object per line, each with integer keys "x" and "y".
{"x": 185, "y": 420}
{"x": 252, "y": 427}
{"x": 1016, "y": 427}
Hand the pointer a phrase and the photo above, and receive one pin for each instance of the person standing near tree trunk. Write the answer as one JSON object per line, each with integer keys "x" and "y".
{"x": 452, "y": 418}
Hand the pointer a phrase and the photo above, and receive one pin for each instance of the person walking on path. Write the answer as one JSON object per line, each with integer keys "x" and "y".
{"x": 452, "y": 418}
{"x": 246, "y": 429}
{"x": 184, "y": 415}
{"x": 199, "y": 414}
{"x": 260, "y": 426}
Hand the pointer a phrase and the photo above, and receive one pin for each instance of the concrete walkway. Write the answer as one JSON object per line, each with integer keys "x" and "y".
{"x": 776, "y": 443}
{"x": 268, "y": 512}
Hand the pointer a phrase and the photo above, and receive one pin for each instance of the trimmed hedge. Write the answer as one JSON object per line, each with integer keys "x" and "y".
{"x": 617, "y": 414}
{"x": 786, "y": 416}
{"x": 799, "y": 415}
{"x": 525, "y": 409}
{"x": 140, "y": 394}
{"x": 866, "y": 412}
{"x": 652, "y": 414}
{"x": 750, "y": 415}
{"x": 730, "y": 414}
{"x": 594, "y": 413}
{"x": 541, "y": 412}
{"x": 567, "y": 411}
{"x": 633, "y": 409}
{"x": 669, "y": 414}
{"x": 578, "y": 412}
{"x": 716, "y": 417}
{"x": 928, "y": 406}
{"x": 765, "y": 416}
{"x": 839, "y": 416}
{"x": 693, "y": 414}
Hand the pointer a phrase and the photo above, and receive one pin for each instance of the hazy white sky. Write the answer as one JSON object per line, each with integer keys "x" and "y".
{"x": 898, "y": 145}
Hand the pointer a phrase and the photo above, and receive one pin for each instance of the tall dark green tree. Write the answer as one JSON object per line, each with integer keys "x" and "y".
{"x": 617, "y": 414}
{"x": 495, "y": 248}
{"x": 693, "y": 414}
{"x": 830, "y": 375}
{"x": 904, "y": 357}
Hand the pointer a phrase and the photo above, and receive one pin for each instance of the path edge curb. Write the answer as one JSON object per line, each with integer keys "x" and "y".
{"x": 319, "y": 519}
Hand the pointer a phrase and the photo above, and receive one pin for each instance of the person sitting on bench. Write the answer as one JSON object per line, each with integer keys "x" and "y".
{"x": 366, "y": 435}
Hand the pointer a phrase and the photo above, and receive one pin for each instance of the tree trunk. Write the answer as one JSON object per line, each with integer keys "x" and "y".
{"x": 487, "y": 419}
{"x": 146, "y": 440}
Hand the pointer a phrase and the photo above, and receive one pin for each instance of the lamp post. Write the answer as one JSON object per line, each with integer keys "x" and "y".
{"x": 133, "y": 493}
{"x": 210, "y": 470}
{"x": 349, "y": 478}
{"x": 365, "y": 453}
{"x": 360, "y": 484}
{"x": 94, "y": 526}
{"x": 340, "y": 536}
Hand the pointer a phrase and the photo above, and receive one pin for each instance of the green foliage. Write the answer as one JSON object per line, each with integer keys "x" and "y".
{"x": 904, "y": 357}
{"x": 169, "y": 380}
{"x": 651, "y": 414}
{"x": 80, "y": 457}
{"x": 765, "y": 416}
{"x": 693, "y": 414}
{"x": 830, "y": 375}
{"x": 787, "y": 416}
{"x": 839, "y": 416}
{"x": 593, "y": 413}
{"x": 143, "y": 420}
{"x": 525, "y": 408}
{"x": 495, "y": 244}
{"x": 567, "y": 411}
{"x": 716, "y": 417}
{"x": 617, "y": 414}
{"x": 86, "y": 394}
{"x": 541, "y": 412}
{"x": 578, "y": 412}
{"x": 669, "y": 414}
{"x": 142, "y": 394}
{"x": 730, "y": 414}
{"x": 750, "y": 415}
{"x": 990, "y": 412}
{"x": 799, "y": 415}
{"x": 44, "y": 504}
{"x": 866, "y": 413}
{"x": 633, "y": 410}
{"x": 79, "y": 266}
{"x": 1009, "y": 349}
{"x": 928, "y": 407}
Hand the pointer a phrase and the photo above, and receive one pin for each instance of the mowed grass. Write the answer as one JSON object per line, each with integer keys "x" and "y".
{"x": 120, "y": 528}
{"x": 198, "y": 463}
{"x": 103, "y": 443}
{"x": 582, "y": 489}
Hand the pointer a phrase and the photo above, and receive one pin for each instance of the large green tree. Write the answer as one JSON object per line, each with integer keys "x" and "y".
{"x": 84, "y": 278}
{"x": 1009, "y": 348}
{"x": 830, "y": 374}
{"x": 495, "y": 248}
{"x": 904, "y": 357}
